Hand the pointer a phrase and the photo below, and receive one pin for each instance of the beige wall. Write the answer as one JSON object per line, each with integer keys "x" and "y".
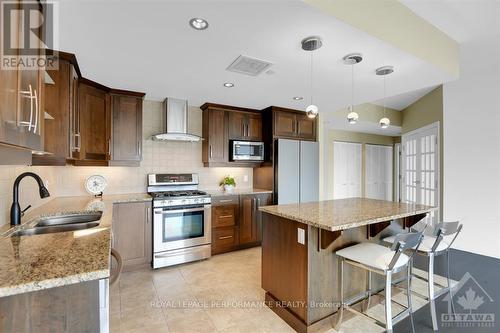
{"x": 158, "y": 157}
{"x": 328, "y": 138}
{"x": 425, "y": 111}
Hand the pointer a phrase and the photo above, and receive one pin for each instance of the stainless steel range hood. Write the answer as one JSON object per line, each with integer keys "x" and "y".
{"x": 176, "y": 122}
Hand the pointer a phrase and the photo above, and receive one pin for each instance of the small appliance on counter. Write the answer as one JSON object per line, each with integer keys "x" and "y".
{"x": 181, "y": 219}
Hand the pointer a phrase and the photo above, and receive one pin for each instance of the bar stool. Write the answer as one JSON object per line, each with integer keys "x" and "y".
{"x": 431, "y": 247}
{"x": 384, "y": 261}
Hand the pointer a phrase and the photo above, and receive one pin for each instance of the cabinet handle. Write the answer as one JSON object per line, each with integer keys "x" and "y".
{"x": 139, "y": 148}
{"x": 296, "y": 127}
{"x": 210, "y": 148}
{"x": 225, "y": 237}
{"x": 225, "y": 216}
{"x": 148, "y": 213}
{"x": 226, "y": 200}
{"x": 254, "y": 203}
{"x": 77, "y": 140}
{"x": 36, "y": 112}
{"x": 28, "y": 94}
{"x": 109, "y": 148}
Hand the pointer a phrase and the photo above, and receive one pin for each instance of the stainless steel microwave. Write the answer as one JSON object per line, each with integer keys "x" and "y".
{"x": 247, "y": 151}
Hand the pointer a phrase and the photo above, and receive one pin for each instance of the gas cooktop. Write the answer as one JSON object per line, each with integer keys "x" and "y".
{"x": 176, "y": 194}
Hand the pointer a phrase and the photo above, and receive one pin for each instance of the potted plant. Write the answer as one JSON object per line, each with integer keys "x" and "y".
{"x": 228, "y": 183}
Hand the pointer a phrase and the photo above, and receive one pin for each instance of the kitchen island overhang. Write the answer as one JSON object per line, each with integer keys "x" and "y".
{"x": 299, "y": 265}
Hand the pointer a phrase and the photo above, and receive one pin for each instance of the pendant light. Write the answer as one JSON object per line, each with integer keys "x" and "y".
{"x": 351, "y": 60}
{"x": 311, "y": 44}
{"x": 384, "y": 122}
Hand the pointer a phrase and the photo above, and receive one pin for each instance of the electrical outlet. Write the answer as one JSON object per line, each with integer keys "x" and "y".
{"x": 245, "y": 178}
{"x": 301, "y": 236}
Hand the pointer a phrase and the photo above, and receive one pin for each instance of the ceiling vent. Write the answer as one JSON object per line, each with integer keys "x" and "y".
{"x": 249, "y": 66}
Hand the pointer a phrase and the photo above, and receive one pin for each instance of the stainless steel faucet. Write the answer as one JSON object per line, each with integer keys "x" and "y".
{"x": 15, "y": 209}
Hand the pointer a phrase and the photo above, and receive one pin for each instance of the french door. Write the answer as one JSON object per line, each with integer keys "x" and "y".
{"x": 420, "y": 168}
{"x": 378, "y": 172}
{"x": 347, "y": 165}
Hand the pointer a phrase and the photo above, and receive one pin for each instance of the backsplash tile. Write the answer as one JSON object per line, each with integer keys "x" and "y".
{"x": 157, "y": 157}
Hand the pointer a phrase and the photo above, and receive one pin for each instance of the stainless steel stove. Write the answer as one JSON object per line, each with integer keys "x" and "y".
{"x": 181, "y": 219}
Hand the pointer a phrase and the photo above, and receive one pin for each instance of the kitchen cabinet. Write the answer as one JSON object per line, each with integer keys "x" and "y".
{"x": 59, "y": 98}
{"x": 94, "y": 104}
{"x": 127, "y": 128}
{"x": 225, "y": 211}
{"x": 215, "y": 134}
{"x": 109, "y": 126}
{"x": 223, "y": 123}
{"x": 132, "y": 233}
{"x": 281, "y": 123}
{"x": 20, "y": 100}
{"x": 245, "y": 126}
{"x": 236, "y": 221}
{"x": 250, "y": 222}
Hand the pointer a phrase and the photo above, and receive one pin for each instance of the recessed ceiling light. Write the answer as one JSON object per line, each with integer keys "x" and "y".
{"x": 298, "y": 98}
{"x": 228, "y": 85}
{"x": 198, "y": 23}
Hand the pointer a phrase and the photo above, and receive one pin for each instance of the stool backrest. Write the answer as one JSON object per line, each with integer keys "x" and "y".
{"x": 446, "y": 229}
{"x": 405, "y": 241}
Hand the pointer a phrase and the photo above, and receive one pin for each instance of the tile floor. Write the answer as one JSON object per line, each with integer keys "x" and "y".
{"x": 208, "y": 296}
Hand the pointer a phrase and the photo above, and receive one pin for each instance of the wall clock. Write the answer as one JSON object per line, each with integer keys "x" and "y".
{"x": 95, "y": 185}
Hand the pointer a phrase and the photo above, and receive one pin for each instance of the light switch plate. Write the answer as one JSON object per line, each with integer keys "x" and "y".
{"x": 301, "y": 236}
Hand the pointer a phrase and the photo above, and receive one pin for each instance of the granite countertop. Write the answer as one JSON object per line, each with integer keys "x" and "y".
{"x": 29, "y": 263}
{"x": 237, "y": 191}
{"x": 341, "y": 214}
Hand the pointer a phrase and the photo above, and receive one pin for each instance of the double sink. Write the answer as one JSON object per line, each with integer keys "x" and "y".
{"x": 61, "y": 223}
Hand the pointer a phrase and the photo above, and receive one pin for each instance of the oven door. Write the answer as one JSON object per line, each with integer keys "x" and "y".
{"x": 180, "y": 228}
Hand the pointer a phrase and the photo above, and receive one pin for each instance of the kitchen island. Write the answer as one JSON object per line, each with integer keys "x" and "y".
{"x": 299, "y": 265}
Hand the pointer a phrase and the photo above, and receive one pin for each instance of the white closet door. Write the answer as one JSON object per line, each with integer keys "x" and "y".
{"x": 420, "y": 167}
{"x": 346, "y": 170}
{"x": 378, "y": 173}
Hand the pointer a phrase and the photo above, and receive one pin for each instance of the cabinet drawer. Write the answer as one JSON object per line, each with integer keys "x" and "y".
{"x": 225, "y": 200}
{"x": 223, "y": 216}
{"x": 223, "y": 238}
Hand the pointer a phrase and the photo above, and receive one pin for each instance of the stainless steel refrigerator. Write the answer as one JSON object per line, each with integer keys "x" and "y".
{"x": 296, "y": 171}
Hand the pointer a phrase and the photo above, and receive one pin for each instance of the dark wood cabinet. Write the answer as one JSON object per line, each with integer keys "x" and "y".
{"x": 285, "y": 124}
{"x": 215, "y": 145}
{"x": 59, "y": 98}
{"x": 94, "y": 106}
{"x": 236, "y": 221}
{"x": 109, "y": 126}
{"x": 225, "y": 212}
{"x": 245, "y": 126}
{"x": 223, "y": 123}
{"x": 127, "y": 128}
{"x": 250, "y": 222}
{"x": 306, "y": 127}
{"x": 281, "y": 123}
{"x": 132, "y": 233}
{"x": 21, "y": 123}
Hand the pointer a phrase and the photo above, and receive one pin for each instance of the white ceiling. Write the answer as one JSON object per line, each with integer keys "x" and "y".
{"x": 401, "y": 101}
{"x": 462, "y": 20}
{"x": 148, "y": 46}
